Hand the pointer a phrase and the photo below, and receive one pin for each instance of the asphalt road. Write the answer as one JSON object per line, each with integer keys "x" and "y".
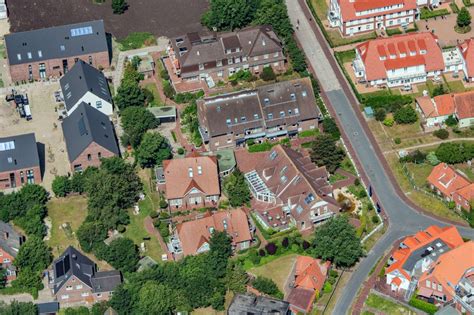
{"x": 404, "y": 219}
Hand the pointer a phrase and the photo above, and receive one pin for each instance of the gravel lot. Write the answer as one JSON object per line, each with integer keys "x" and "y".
{"x": 44, "y": 124}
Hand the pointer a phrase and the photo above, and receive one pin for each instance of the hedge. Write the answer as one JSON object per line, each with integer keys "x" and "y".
{"x": 393, "y": 31}
{"x": 422, "y": 305}
{"x": 429, "y": 14}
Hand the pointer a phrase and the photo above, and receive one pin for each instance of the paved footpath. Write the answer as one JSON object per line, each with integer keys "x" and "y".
{"x": 405, "y": 217}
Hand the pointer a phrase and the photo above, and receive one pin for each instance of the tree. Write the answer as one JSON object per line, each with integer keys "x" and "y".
{"x": 453, "y": 153}
{"x": 267, "y": 74}
{"x": 405, "y": 115}
{"x": 380, "y": 114}
{"x": 325, "y": 152}
{"x": 3, "y": 277}
{"x": 267, "y": 286}
{"x": 119, "y": 6}
{"x": 154, "y": 299}
{"x": 432, "y": 158}
{"x": 153, "y": 149}
{"x": 441, "y": 133}
{"x": 135, "y": 122}
{"x": 225, "y": 15}
{"x": 33, "y": 254}
{"x": 89, "y": 233}
{"x": 122, "y": 254}
{"x": 236, "y": 189}
{"x": 236, "y": 278}
{"x": 438, "y": 90}
{"x": 336, "y": 241}
{"x": 330, "y": 127}
{"x": 18, "y": 308}
{"x": 129, "y": 93}
{"x": 61, "y": 186}
{"x": 451, "y": 121}
{"x": 464, "y": 18}
{"x": 220, "y": 246}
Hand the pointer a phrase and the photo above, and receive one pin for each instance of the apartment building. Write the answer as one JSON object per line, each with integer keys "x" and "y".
{"x": 19, "y": 161}
{"x": 353, "y": 17}
{"x": 50, "y": 52}
{"x": 269, "y": 111}
{"x": 216, "y": 56}
{"x": 399, "y": 60}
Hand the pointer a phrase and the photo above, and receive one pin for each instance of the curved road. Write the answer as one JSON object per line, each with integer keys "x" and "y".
{"x": 404, "y": 218}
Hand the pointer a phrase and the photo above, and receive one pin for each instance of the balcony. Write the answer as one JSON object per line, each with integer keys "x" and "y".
{"x": 318, "y": 218}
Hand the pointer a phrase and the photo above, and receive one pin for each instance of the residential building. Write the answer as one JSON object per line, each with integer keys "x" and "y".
{"x": 276, "y": 110}
{"x": 451, "y": 279}
{"x": 399, "y": 60}
{"x": 464, "y": 103}
{"x": 417, "y": 253}
{"x": 192, "y": 237}
{"x": 89, "y": 137}
{"x": 466, "y": 48}
{"x": 251, "y": 304}
{"x": 288, "y": 188}
{"x": 435, "y": 110}
{"x": 48, "y": 308}
{"x": 309, "y": 277}
{"x": 191, "y": 182}
{"x": 84, "y": 83}
{"x": 77, "y": 280}
{"x": 50, "y": 52}
{"x": 19, "y": 161}
{"x": 452, "y": 185}
{"x": 353, "y": 17}
{"x": 216, "y": 56}
{"x": 10, "y": 243}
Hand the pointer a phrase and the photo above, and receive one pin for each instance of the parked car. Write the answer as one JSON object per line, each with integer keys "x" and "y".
{"x": 27, "y": 112}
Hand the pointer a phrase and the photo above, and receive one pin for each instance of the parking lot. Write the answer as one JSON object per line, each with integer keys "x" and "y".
{"x": 45, "y": 125}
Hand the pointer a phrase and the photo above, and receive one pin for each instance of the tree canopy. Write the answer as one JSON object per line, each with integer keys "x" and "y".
{"x": 135, "y": 122}
{"x": 153, "y": 149}
{"x": 464, "y": 17}
{"x": 129, "y": 93}
{"x": 325, "y": 152}
{"x": 18, "y": 308}
{"x": 405, "y": 115}
{"x": 455, "y": 152}
{"x": 336, "y": 241}
{"x": 267, "y": 286}
{"x": 119, "y": 6}
{"x": 236, "y": 189}
{"x": 226, "y": 15}
{"x": 122, "y": 254}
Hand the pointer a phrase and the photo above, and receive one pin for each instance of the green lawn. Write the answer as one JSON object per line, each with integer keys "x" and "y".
{"x": 278, "y": 270}
{"x": 336, "y": 177}
{"x": 135, "y": 230}
{"x": 156, "y": 96}
{"x": 137, "y": 40}
{"x": 456, "y": 86}
{"x": 386, "y": 306}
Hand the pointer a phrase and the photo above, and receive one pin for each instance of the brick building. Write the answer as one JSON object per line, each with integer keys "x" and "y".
{"x": 89, "y": 136}
{"x": 51, "y": 52}
{"x": 270, "y": 111}
{"x": 216, "y": 56}
{"x": 76, "y": 279}
{"x": 19, "y": 161}
{"x": 10, "y": 242}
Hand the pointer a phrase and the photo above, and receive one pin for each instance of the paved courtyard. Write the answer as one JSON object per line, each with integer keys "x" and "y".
{"x": 45, "y": 125}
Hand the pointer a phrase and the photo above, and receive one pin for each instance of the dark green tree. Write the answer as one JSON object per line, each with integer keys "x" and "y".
{"x": 225, "y": 15}
{"x": 220, "y": 246}
{"x": 155, "y": 298}
{"x": 90, "y": 233}
{"x": 451, "y": 121}
{"x": 380, "y": 114}
{"x": 438, "y": 90}
{"x": 405, "y": 115}
{"x": 452, "y": 153}
{"x": 441, "y": 133}
{"x": 33, "y": 254}
{"x": 122, "y": 300}
{"x": 336, "y": 241}
{"x": 268, "y": 74}
{"x": 236, "y": 278}
{"x": 267, "y": 286}
{"x": 135, "y": 122}
{"x": 122, "y": 254}
{"x": 129, "y": 93}
{"x": 464, "y": 18}
{"x": 153, "y": 149}
{"x": 330, "y": 127}
{"x": 61, "y": 186}
{"x": 18, "y": 308}
{"x": 236, "y": 189}
{"x": 325, "y": 152}
{"x": 119, "y": 6}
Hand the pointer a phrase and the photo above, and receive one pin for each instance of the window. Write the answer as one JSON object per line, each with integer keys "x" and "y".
{"x": 244, "y": 59}
{"x": 6, "y": 260}
{"x": 62, "y": 48}
{"x": 289, "y": 112}
{"x": 309, "y": 199}
{"x": 40, "y": 54}
{"x": 273, "y": 155}
{"x": 201, "y": 66}
{"x": 89, "y": 157}
{"x": 265, "y": 56}
{"x": 219, "y": 63}
{"x": 304, "y": 93}
{"x": 270, "y": 116}
{"x": 266, "y": 101}
{"x": 428, "y": 283}
{"x": 255, "y": 58}
{"x": 255, "y": 116}
{"x": 99, "y": 294}
{"x": 18, "y": 56}
{"x": 29, "y": 55}
{"x": 228, "y": 121}
{"x": 84, "y": 294}
{"x": 297, "y": 111}
{"x": 237, "y": 59}
{"x": 230, "y": 61}
{"x": 69, "y": 287}
{"x": 282, "y": 114}
{"x": 243, "y": 118}
{"x": 440, "y": 288}
{"x": 293, "y": 96}
{"x": 275, "y": 54}
{"x": 64, "y": 297}
{"x": 98, "y": 104}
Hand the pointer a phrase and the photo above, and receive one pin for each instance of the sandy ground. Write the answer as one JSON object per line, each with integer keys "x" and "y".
{"x": 44, "y": 124}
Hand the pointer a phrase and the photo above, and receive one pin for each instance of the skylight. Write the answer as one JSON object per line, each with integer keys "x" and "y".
{"x": 80, "y": 31}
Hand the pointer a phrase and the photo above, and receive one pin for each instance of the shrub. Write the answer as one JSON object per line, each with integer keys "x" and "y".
{"x": 306, "y": 245}
{"x": 416, "y": 156}
{"x": 271, "y": 248}
{"x": 441, "y": 133}
{"x": 451, "y": 121}
{"x": 422, "y": 305}
{"x": 267, "y": 286}
{"x": 168, "y": 90}
{"x": 121, "y": 228}
{"x": 327, "y": 288}
{"x": 285, "y": 243}
{"x": 390, "y": 103}
{"x": 268, "y": 74}
{"x": 388, "y": 122}
{"x": 380, "y": 114}
{"x": 333, "y": 273}
{"x": 375, "y": 219}
{"x": 164, "y": 74}
{"x": 405, "y": 115}
{"x": 61, "y": 186}
{"x": 262, "y": 253}
{"x": 397, "y": 140}
{"x": 180, "y": 151}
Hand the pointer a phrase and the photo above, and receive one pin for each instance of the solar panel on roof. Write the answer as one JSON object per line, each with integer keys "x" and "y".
{"x": 82, "y": 126}
{"x": 5, "y": 146}
{"x": 80, "y": 31}
{"x": 59, "y": 269}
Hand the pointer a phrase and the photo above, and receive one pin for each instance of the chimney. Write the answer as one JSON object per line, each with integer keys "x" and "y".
{"x": 74, "y": 256}
{"x": 6, "y": 235}
{"x": 197, "y": 52}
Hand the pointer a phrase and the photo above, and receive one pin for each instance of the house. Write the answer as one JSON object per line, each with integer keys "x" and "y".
{"x": 353, "y": 17}
{"x": 77, "y": 280}
{"x": 288, "y": 189}
{"x": 464, "y": 103}
{"x": 89, "y": 137}
{"x": 191, "y": 182}
{"x": 275, "y": 110}
{"x": 10, "y": 243}
{"x": 251, "y": 304}
{"x": 166, "y": 114}
{"x": 19, "y": 161}
{"x": 50, "y": 52}
{"x": 216, "y": 56}
{"x": 435, "y": 110}
{"x": 84, "y": 83}
{"x": 309, "y": 277}
{"x": 399, "y": 60}
{"x": 466, "y": 48}
{"x": 451, "y": 279}
{"x": 192, "y": 237}
{"x": 417, "y": 253}
{"x": 453, "y": 186}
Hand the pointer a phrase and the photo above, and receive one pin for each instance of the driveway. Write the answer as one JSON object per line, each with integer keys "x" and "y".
{"x": 405, "y": 218}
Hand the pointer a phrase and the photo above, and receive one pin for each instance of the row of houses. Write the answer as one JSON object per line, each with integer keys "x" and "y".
{"x": 409, "y": 59}
{"x": 436, "y": 265}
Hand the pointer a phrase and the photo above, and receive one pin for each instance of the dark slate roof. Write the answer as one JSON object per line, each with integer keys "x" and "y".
{"x": 83, "y": 78}
{"x": 17, "y": 152}
{"x": 250, "y": 304}
{"x": 87, "y": 125}
{"x": 432, "y": 250}
{"x": 72, "y": 263}
{"x": 48, "y": 308}
{"x": 56, "y": 42}
{"x": 10, "y": 240}
{"x": 106, "y": 281}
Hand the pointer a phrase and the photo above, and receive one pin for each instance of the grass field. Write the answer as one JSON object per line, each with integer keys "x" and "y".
{"x": 277, "y": 270}
{"x": 154, "y": 90}
{"x": 386, "y": 306}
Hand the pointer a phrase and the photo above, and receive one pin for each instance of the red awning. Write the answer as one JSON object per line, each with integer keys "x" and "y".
{"x": 425, "y": 292}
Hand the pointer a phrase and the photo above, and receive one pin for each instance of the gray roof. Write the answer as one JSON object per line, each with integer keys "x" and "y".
{"x": 244, "y": 304}
{"x": 48, "y": 308}
{"x": 106, "y": 281}
{"x": 432, "y": 250}
{"x": 18, "y": 152}
{"x": 87, "y": 125}
{"x": 83, "y": 78}
{"x": 56, "y": 42}
{"x": 10, "y": 240}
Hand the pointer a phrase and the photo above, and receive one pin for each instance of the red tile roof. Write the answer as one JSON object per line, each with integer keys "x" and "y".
{"x": 446, "y": 179}
{"x": 301, "y": 300}
{"x": 349, "y": 8}
{"x": 310, "y": 273}
{"x": 464, "y": 104}
{"x": 444, "y": 104}
{"x": 467, "y": 50}
{"x": 193, "y": 234}
{"x": 466, "y": 192}
{"x": 375, "y": 68}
